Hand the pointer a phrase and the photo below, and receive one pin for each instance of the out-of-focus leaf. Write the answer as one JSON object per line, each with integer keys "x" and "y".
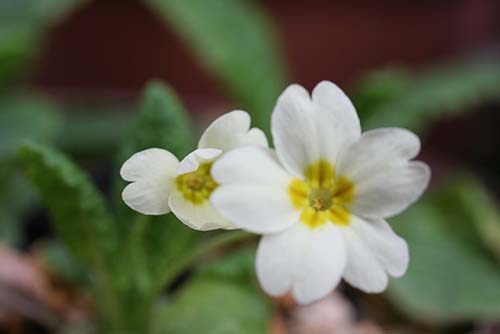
{"x": 78, "y": 210}
{"x": 451, "y": 276}
{"x": 95, "y": 135}
{"x": 436, "y": 94}
{"x": 22, "y": 117}
{"x": 17, "y": 197}
{"x": 235, "y": 41}
{"x": 56, "y": 259}
{"x": 214, "y": 306}
{"x": 378, "y": 88}
{"x": 22, "y": 24}
{"x": 25, "y": 117}
{"x": 17, "y": 46}
{"x": 238, "y": 266}
{"x": 483, "y": 212}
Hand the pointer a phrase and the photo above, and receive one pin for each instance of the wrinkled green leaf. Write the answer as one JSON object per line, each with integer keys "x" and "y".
{"x": 214, "y": 306}
{"x": 77, "y": 208}
{"x": 161, "y": 122}
{"x": 451, "y": 276}
{"x": 432, "y": 95}
{"x": 235, "y": 41}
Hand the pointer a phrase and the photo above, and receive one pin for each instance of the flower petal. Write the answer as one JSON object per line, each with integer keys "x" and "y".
{"x": 337, "y": 123}
{"x": 308, "y": 261}
{"x": 373, "y": 252}
{"x": 389, "y": 191}
{"x": 202, "y": 217}
{"x": 231, "y": 130}
{"x": 294, "y": 132}
{"x": 153, "y": 173}
{"x": 375, "y": 150}
{"x": 258, "y": 209}
{"x": 252, "y": 166}
{"x": 192, "y": 161}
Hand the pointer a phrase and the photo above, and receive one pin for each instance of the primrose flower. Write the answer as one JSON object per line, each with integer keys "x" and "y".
{"x": 160, "y": 183}
{"x": 320, "y": 200}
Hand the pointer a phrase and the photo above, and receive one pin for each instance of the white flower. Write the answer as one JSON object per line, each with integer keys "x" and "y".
{"x": 160, "y": 183}
{"x": 321, "y": 199}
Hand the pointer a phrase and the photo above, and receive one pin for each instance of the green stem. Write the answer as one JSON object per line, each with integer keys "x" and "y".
{"x": 188, "y": 259}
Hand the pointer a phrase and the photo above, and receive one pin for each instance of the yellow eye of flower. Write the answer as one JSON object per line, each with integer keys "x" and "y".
{"x": 197, "y": 186}
{"x": 322, "y": 196}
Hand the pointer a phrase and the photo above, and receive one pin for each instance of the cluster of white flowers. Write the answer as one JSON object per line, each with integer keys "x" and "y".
{"x": 319, "y": 198}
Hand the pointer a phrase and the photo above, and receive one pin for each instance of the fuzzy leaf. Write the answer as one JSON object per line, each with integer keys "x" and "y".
{"x": 77, "y": 208}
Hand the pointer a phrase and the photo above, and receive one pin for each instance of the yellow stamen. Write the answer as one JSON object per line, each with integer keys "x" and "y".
{"x": 197, "y": 186}
{"x": 322, "y": 196}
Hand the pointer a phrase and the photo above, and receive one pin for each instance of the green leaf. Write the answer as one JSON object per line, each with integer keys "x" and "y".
{"x": 161, "y": 122}
{"x": 451, "y": 276}
{"x": 17, "y": 198}
{"x": 214, "y": 306}
{"x": 77, "y": 208}
{"x": 238, "y": 267}
{"x": 483, "y": 212}
{"x": 435, "y": 94}
{"x": 22, "y": 25}
{"x": 27, "y": 116}
{"x": 236, "y": 42}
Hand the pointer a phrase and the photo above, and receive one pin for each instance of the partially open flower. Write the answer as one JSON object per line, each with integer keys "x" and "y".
{"x": 320, "y": 200}
{"x": 160, "y": 183}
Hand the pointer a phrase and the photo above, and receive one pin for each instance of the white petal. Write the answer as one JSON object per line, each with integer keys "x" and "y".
{"x": 151, "y": 161}
{"x": 231, "y": 130}
{"x": 307, "y": 261}
{"x": 377, "y": 149}
{"x": 337, "y": 123}
{"x": 255, "y": 208}
{"x": 373, "y": 252}
{"x": 294, "y": 130}
{"x": 192, "y": 161}
{"x": 153, "y": 171}
{"x": 252, "y": 166}
{"x": 201, "y": 217}
{"x": 389, "y": 191}
{"x": 390, "y": 249}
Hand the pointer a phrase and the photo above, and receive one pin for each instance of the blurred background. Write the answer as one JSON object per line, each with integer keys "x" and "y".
{"x": 72, "y": 73}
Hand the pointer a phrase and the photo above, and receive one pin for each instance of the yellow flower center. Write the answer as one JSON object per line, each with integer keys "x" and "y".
{"x": 322, "y": 196}
{"x": 197, "y": 186}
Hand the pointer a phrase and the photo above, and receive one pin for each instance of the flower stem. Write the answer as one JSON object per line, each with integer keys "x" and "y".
{"x": 189, "y": 258}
